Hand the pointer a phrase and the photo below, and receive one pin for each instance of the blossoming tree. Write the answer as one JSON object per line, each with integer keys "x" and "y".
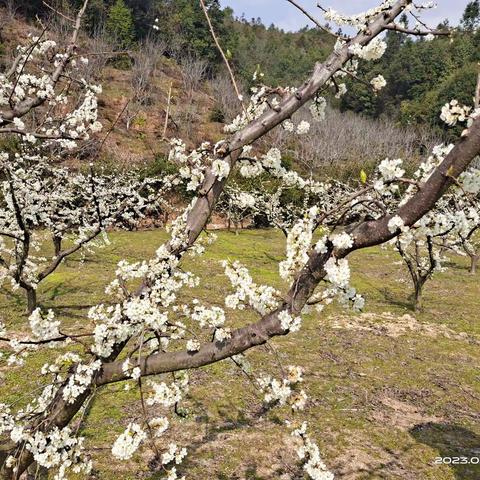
{"x": 468, "y": 210}
{"x": 150, "y": 329}
{"x": 50, "y": 114}
{"x": 450, "y": 226}
{"x": 73, "y": 209}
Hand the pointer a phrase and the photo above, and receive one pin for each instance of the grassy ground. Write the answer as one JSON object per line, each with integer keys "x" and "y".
{"x": 389, "y": 389}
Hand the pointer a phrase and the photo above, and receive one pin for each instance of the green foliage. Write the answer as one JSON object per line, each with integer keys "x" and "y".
{"x": 216, "y": 114}
{"x": 160, "y": 166}
{"x": 471, "y": 16}
{"x": 421, "y": 77}
{"x": 119, "y": 25}
{"x": 182, "y": 24}
{"x": 284, "y": 57}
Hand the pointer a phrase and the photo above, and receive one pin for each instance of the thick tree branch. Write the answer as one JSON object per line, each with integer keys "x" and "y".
{"x": 365, "y": 235}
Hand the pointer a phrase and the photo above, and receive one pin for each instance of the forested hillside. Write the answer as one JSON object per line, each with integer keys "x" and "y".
{"x": 421, "y": 75}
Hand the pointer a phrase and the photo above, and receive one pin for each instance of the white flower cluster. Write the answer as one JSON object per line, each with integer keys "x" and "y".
{"x": 309, "y": 453}
{"x": 220, "y": 169}
{"x": 289, "y": 323}
{"x": 80, "y": 380}
{"x": 338, "y": 274}
{"x": 453, "y": 112}
{"x": 159, "y": 425}
{"x": 426, "y": 168}
{"x": 359, "y": 21}
{"x": 213, "y": 317}
{"x": 280, "y": 393}
{"x": 341, "y": 90}
{"x": 271, "y": 163}
{"x": 193, "y": 345}
{"x": 470, "y": 181}
{"x": 395, "y": 224}
{"x": 318, "y": 107}
{"x": 25, "y": 86}
{"x": 390, "y": 171}
{"x": 378, "y": 83}
{"x": 67, "y": 205}
{"x": 128, "y": 442}
{"x": 257, "y": 106}
{"x": 245, "y": 200}
{"x": 262, "y": 298}
{"x": 44, "y": 327}
{"x": 57, "y": 449}
{"x": 116, "y": 323}
{"x": 342, "y": 241}
{"x": 174, "y": 454}
{"x": 303, "y": 127}
{"x": 192, "y": 165}
{"x": 372, "y": 51}
{"x": 168, "y": 395}
{"x": 299, "y": 242}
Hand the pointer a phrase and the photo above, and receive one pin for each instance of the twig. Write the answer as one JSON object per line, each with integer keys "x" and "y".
{"x": 225, "y": 59}
{"x": 476, "y": 102}
{"x": 58, "y": 12}
{"x": 313, "y": 19}
{"x": 167, "y": 112}
{"x": 397, "y": 28}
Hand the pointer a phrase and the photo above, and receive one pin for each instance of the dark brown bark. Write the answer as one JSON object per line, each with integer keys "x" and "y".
{"x": 57, "y": 245}
{"x": 418, "y": 295}
{"x": 31, "y": 300}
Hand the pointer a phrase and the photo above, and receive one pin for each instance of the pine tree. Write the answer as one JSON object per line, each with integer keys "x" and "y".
{"x": 119, "y": 25}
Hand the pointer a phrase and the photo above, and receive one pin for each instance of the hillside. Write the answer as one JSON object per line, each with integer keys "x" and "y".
{"x": 421, "y": 75}
{"x": 135, "y": 98}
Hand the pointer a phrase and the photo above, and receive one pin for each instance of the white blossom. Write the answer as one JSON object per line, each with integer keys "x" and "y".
{"x": 128, "y": 442}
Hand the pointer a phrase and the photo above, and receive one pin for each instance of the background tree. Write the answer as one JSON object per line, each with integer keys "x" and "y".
{"x": 471, "y": 15}
{"x": 119, "y": 25}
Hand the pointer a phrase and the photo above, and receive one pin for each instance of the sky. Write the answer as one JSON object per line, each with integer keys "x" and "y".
{"x": 285, "y": 16}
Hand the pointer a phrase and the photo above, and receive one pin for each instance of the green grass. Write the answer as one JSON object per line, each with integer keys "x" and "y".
{"x": 381, "y": 406}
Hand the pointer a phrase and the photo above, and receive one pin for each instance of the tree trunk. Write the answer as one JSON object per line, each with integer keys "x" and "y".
{"x": 36, "y": 472}
{"x": 418, "y": 296}
{"x": 31, "y": 299}
{"x": 57, "y": 245}
{"x": 474, "y": 263}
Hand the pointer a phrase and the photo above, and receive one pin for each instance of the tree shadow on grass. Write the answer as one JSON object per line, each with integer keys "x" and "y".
{"x": 232, "y": 419}
{"x": 18, "y": 297}
{"x": 392, "y": 299}
{"x": 451, "y": 441}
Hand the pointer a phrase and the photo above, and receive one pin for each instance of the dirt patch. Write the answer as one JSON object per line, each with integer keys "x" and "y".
{"x": 391, "y": 325}
{"x": 401, "y": 415}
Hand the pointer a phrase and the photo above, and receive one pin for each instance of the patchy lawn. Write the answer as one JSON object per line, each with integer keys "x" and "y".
{"x": 389, "y": 389}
